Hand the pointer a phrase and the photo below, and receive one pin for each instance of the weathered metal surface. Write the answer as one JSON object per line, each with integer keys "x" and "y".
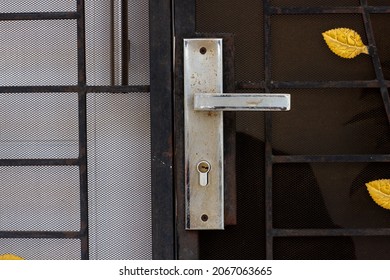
{"x": 242, "y": 102}
{"x": 163, "y": 211}
{"x": 203, "y": 135}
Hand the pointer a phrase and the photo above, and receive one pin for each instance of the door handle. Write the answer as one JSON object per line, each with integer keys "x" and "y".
{"x": 204, "y": 103}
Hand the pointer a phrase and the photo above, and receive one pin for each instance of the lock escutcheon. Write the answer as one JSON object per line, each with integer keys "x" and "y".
{"x": 203, "y": 167}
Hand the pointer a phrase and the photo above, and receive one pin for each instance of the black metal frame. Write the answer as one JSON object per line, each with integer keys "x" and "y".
{"x": 161, "y": 126}
{"x": 185, "y": 24}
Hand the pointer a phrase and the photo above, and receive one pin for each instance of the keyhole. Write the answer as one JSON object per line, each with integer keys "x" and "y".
{"x": 203, "y": 168}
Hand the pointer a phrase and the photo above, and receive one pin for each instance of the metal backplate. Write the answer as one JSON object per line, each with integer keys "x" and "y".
{"x": 203, "y": 135}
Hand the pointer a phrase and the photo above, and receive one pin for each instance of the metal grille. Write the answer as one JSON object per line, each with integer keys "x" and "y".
{"x": 30, "y": 192}
{"x": 314, "y": 248}
{"x": 59, "y": 74}
{"x": 119, "y": 161}
{"x": 42, "y": 249}
{"x": 53, "y": 117}
{"x": 301, "y": 175}
{"x": 52, "y": 63}
{"x": 24, "y": 6}
{"x": 302, "y": 33}
{"x": 314, "y": 3}
{"x": 138, "y": 26}
{"x": 352, "y": 121}
{"x": 246, "y": 24}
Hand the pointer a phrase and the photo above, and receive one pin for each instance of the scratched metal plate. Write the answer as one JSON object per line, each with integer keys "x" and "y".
{"x": 203, "y": 134}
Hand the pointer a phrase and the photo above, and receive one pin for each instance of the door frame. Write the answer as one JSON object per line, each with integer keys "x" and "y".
{"x": 184, "y": 25}
{"x": 161, "y": 103}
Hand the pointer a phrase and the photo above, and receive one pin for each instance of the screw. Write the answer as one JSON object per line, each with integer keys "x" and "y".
{"x": 204, "y": 218}
{"x": 203, "y": 50}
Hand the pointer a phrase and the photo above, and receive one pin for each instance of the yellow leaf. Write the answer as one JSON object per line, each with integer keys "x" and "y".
{"x": 10, "y": 257}
{"x": 379, "y": 191}
{"x": 344, "y": 42}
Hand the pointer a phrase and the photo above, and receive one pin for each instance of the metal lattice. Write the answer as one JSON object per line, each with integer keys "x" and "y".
{"x": 301, "y": 175}
{"x": 57, "y": 76}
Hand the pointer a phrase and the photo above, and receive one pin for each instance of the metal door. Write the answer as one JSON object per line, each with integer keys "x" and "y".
{"x": 79, "y": 105}
{"x": 300, "y": 176}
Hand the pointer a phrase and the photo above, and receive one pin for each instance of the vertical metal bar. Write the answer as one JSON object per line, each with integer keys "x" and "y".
{"x": 116, "y": 42}
{"x": 161, "y": 107}
{"x": 268, "y": 133}
{"x": 125, "y": 43}
{"x": 82, "y": 105}
{"x": 375, "y": 58}
{"x": 187, "y": 241}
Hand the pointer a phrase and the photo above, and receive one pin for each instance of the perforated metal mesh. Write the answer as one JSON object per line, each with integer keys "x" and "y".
{"x": 98, "y": 42}
{"x": 244, "y": 20}
{"x": 45, "y": 125}
{"x": 332, "y": 121}
{"x": 314, "y": 248}
{"x": 350, "y": 121}
{"x": 139, "y": 42}
{"x": 26, "y": 60}
{"x": 39, "y": 198}
{"x": 372, "y": 248}
{"x": 382, "y": 43}
{"x": 314, "y": 3}
{"x": 42, "y": 249}
{"x": 24, "y": 6}
{"x": 307, "y": 56}
{"x": 330, "y": 195}
{"x": 119, "y": 176}
{"x": 38, "y": 125}
{"x": 99, "y": 58}
{"x": 378, "y": 2}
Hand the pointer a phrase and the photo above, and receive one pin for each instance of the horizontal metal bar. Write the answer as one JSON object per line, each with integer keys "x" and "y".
{"x": 41, "y": 234}
{"x": 329, "y": 158}
{"x": 39, "y": 162}
{"x": 74, "y": 89}
{"x": 39, "y": 16}
{"x": 28, "y": 89}
{"x": 242, "y": 102}
{"x": 242, "y": 85}
{"x": 327, "y": 10}
{"x": 119, "y": 89}
{"x": 331, "y": 232}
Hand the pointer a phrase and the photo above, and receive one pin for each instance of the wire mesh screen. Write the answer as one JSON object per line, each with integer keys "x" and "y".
{"x": 26, "y": 61}
{"x": 308, "y": 56}
{"x": 382, "y": 43}
{"x": 315, "y": 3}
{"x": 42, "y": 249}
{"x": 312, "y": 184}
{"x": 138, "y": 26}
{"x": 38, "y": 125}
{"x": 245, "y": 22}
{"x": 24, "y": 6}
{"x": 350, "y": 121}
{"x": 314, "y": 248}
{"x": 104, "y": 66}
{"x": 39, "y": 198}
{"x": 98, "y": 42}
{"x": 330, "y": 196}
{"x": 378, "y": 2}
{"x": 119, "y": 175}
{"x": 44, "y": 128}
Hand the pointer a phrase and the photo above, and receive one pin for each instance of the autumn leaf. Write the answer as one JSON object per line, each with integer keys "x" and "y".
{"x": 345, "y": 42}
{"x": 379, "y": 191}
{"x": 10, "y": 257}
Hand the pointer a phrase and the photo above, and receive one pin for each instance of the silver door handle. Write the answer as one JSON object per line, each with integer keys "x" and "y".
{"x": 204, "y": 103}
